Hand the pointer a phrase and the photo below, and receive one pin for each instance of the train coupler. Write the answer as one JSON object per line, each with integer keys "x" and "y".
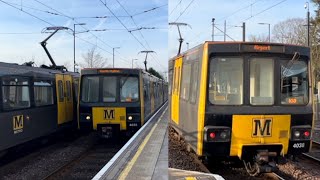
{"x": 108, "y": 131}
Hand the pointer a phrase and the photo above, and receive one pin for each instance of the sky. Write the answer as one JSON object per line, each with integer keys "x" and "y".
{"x": 23, "y": 21}
{"x": 198, "y": 15}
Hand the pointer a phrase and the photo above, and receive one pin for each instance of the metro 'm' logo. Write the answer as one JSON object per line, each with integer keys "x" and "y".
{"x": 109, "y": 114}
{"x": 261, "y": 127}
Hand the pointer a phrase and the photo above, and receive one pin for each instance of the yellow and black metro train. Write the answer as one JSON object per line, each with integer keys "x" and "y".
{"x": 114, "y": 101}
{"x": 247, "y": 100}
{"x": 34, "y": 102}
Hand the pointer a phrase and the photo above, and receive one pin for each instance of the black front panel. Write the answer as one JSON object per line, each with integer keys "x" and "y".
{"x": 298, "y": 147}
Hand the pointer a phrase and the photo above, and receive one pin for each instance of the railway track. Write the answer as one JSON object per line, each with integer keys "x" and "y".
{"x": 315, "y": 150}
{"x": 87, "y": 164}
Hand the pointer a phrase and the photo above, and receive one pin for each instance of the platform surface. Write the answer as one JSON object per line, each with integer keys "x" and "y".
{"x": 146, "y": 157}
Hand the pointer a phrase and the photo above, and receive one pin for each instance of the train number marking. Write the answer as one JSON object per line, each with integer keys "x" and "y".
{"x": 109, "y": 114}
{"x": 298, "y": 145}
{"x": 261, "y": 127}
{"x": 17, "y": 124}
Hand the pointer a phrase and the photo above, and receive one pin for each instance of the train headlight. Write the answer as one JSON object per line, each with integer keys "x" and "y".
{"x": 299, "y": 133}
{"x": 88, "y": 118}
{"x": 223, "y": 135}
{"x": 130, "y": 118}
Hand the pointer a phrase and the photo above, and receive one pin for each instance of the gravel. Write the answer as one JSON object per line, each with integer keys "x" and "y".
{"x": 39, "y": 164}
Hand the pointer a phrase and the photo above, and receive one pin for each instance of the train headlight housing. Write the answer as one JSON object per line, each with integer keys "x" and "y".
{"x": 217, "y": 134}
{"x": 296, "y": 134}
{"x": 299, "y": 133}
{"x": 130, "y": 118}
{"x": 85, "y": 117}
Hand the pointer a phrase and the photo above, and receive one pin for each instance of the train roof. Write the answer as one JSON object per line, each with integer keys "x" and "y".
{"x": 91, "y": 71}
{"x": 16, "y": 69}
{"x": 240, "y": 47}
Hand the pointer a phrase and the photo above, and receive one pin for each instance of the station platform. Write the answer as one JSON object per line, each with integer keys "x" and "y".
{"x": 145, "y": 155}
{"x": 178, "y": 174}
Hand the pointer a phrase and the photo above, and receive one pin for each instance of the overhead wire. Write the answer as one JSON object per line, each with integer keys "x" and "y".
{"x": 72, "y": 18}
{"x": 54, "y": 25}
{"x": 252, "y": 16}
{"x": 124, "y": 25}
{"x": 184, "y": 10}
{"x": 157, "y": 61}
{"x": 175, "y": 7}
{"x": 246, "y": 18}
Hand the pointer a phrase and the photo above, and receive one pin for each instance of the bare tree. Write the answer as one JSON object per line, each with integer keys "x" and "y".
{"x": 258, "y": 38}
{"x": 93, "y": 59}
{"x": 67, "y": 64}
{"x": 291, "y": 31}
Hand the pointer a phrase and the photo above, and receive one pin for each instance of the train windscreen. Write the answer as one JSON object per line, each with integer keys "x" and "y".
{"x": 111, "y": 87}
{"x": 226, "y": 80}
{"x": 294, "y": 82}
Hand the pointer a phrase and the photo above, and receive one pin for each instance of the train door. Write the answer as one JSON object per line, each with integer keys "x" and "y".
{"x": 176, "y": 90}
{"x": 64, "y": 98}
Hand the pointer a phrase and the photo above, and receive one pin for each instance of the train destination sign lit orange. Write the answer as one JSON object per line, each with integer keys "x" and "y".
{"x": 109, "y": 71}
{"x": 262, "y": 48}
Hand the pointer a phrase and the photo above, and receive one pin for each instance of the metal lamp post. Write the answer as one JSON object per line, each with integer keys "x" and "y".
{"x": 268, "y": 27}
{"x": 74, "y": 45}
{"x": 132, "y": 62}
{"x": 113, "y": 55}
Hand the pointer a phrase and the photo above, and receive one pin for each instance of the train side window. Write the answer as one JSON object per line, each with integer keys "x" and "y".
{"x": 76, "y": 88}
{"x": 170, "y": 81}
{"x": 60, "y": 89}
{"x": 43, "y": 93}
{"x": 15, "y": 94}
{"x": 194, "y": 72}
{"x": 178, "y": 79}
{"x": 68, "y": 88}
{"x": 185, "y": 81}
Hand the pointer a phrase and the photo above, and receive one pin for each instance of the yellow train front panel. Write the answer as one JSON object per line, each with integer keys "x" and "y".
{"x": 249, "y": 130}
{"x": 109, "y": 115}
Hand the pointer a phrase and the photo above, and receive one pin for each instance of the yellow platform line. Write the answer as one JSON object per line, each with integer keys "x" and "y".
{"x": 128, "y": 168}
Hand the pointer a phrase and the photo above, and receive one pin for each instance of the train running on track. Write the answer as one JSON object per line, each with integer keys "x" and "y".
{"x": 35, "y": 102}
{"x": 252, "y": 101}
{"x": 118, "y": 101}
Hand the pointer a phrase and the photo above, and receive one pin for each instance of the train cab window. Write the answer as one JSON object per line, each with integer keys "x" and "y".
{"x": 109, "y": 89}
{"x": 226, "y": 81}
{"x": 90, "y": 89}
{"x": 43, "y": 93}
{"x": 261, "y": 81}
{"x": 129, "y": 89}
{"x": 15, "y": 94}
{"x": 294, "y": 82}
